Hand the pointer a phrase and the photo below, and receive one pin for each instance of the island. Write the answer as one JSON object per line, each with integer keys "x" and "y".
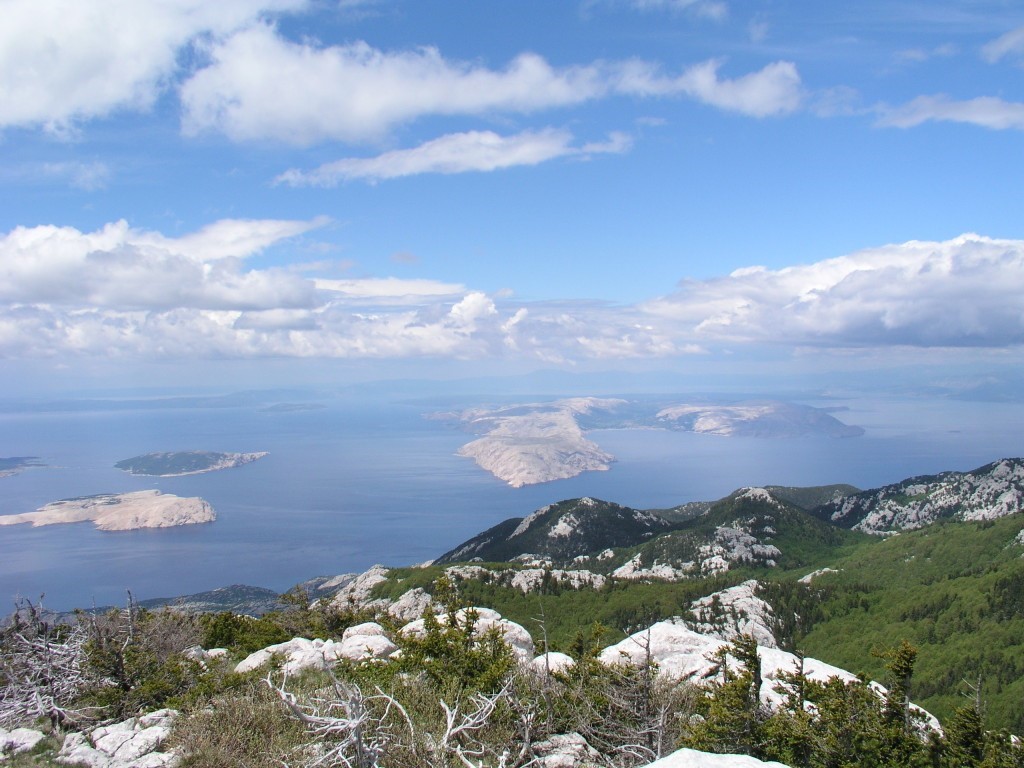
{"x": 529, "y": 443}
{"x": 120, "y": 511}
{"x": 181, "y": 463}
{"x": 755, "y": 418}
{"x": 12, "y": 465}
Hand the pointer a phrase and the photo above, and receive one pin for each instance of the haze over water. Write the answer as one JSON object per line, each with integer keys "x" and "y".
{"x": 354, "y": 484}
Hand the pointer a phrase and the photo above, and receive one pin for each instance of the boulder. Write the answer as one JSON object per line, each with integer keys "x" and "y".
{"x": 362, "y": 642}
{"x": 566, "y": 750}
{"x": 18, "y": 740}
{"x": 131, "y": 743}
{"x": 691, "y": 758}
{"x": 552, "y": 661}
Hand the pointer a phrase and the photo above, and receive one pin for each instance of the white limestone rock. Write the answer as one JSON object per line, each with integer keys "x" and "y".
{"x": 683, "y": 655}
{"x": 128, "y": 744}
{"x": 815, "y": 574}
{"x": 691, "y": 758}
{"x": 356, "y": 590}
{"x": 566, "y": 750}
{"x": 552, "y": 661}
{"x": 361, "y": 643}
{"x": 735, "y": 611}
{"x": 18, "y": 740}
{"x": 411, "y": 605}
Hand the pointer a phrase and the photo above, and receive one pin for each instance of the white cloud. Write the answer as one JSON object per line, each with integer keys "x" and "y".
{"x": 984, "y": 111}
{"x": 120, "y": 268}
{"x": 715, "y": 10}
{"x": 389, "y": 289}
{"x": 773, "y": 90}
{"x": 709, "y": 9}
{"x": 456, "y": 153}
{"x": 1009, "y": 44}
{"x": 260, "y": 86}
{"x": 88, "y": 176}
{"x": 919, "y": 55}
{"x": 961, "y": 292}
{"x": 66, "y": 60}
{"x": 123, "y": 293}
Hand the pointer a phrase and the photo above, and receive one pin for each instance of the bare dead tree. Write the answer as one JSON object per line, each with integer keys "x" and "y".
{"x": 42, "y": 670}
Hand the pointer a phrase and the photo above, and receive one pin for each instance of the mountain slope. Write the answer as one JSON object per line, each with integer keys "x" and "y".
{"x": 989, "y": 492}
{"x": 750, "y": 528}
{"x": 561, "y": 532}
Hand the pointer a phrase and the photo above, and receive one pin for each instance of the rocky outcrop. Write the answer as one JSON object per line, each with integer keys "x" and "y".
{"x": 132, "y": 743}
{"x": 735, "y": 611}
{"x": 992, "y": 491}
{"x": 359, "y": 643}
{"x": 683, "y": 655}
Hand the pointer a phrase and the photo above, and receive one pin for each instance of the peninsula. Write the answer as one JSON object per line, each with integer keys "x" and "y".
{"x": 120, "y": 512}
{"x": 181, "y": 463}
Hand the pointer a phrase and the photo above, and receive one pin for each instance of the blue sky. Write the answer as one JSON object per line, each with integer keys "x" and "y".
{"x": 314, "y": 188}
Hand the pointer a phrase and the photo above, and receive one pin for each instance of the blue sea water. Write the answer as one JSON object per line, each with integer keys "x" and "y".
{"x": 350, "y": 485}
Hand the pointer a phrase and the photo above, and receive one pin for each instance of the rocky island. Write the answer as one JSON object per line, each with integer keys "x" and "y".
{"x": 121, "y": 511}
{"x": 530, "y": 443}
{"x": 12, "y": 465}
{"x": 536, "y": 443}
{"x": 179, "y": 463}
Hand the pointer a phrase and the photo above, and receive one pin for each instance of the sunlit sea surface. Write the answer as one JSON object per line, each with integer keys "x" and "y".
{"x": 349, "y": 485}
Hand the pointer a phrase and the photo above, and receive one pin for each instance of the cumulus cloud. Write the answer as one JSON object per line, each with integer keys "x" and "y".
{"x": 260, "y": 86}
{"x": 119, "y": 292}
{"x": 1009, "y": 44}
{"x": 456, "y": 153}
{"x": 125, "y": 293}
{"x": 66, "y": 60}
{"x": 984, "y": 111}
{"x": 120, "y": 268}
{"x": 961, "y": 292}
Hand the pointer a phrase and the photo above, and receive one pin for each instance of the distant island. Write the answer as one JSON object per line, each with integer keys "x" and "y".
{"x": 181, "y": 463}
{"x": 529, "y": 443}
{"x": 120, "y": 512}
{"x": 12, "y": 465}
{"x": 536, "y": 445}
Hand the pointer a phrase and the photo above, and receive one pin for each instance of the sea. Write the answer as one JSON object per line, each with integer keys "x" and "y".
{"x": 349, "y": 484}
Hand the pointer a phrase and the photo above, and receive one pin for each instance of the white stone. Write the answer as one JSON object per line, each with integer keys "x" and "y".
{"x": 18, "y": 740}
{"x": 566, "y": 750}
{"x": 131, "y": 743}
{"x": 552, "y": 661}
{"x": 411, "y": 605}
{"x": 815, "y": 574}
{"x": 741, "y": 612}
{"x": 691, "y": 758}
